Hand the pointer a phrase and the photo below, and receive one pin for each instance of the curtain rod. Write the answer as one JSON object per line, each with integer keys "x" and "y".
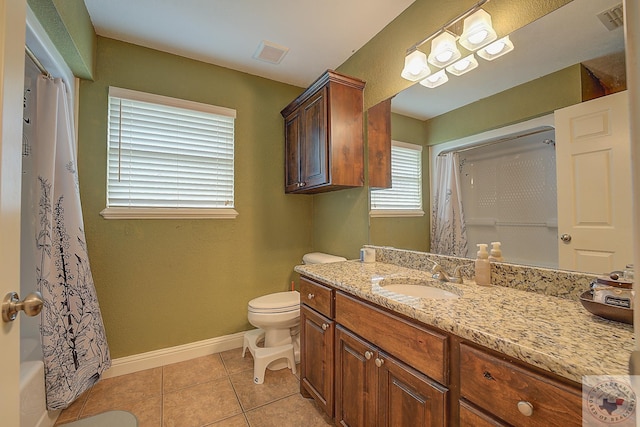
{"x": 444, "y": 28}
{"x": 36, "y": 61}
{"x": 501, "y": 140}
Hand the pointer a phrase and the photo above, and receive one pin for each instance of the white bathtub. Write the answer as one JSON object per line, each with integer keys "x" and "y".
{"x": 33, "y": 410}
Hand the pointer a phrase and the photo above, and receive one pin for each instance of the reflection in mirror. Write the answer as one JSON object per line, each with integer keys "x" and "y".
{"x": 566, "y": 37}
{"x": 507, "y": 189}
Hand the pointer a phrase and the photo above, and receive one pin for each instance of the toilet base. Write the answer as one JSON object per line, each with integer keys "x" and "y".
{"x": 264, "y": 356}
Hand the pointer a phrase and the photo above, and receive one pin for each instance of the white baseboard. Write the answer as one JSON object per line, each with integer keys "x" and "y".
{"x": 165, "y": 356}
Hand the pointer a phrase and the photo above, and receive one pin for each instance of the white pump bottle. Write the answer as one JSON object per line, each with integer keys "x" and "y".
{"x": 496, "y": 253}
{"x": 482, "y": 266}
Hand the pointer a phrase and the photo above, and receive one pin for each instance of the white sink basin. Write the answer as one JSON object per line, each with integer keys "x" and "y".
{"x": 419, "y": 291}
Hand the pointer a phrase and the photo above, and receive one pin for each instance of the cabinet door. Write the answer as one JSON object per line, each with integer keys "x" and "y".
{"x": 316, "y": 365}
{"x": 356, "y": 380}
{"x": 292, "y": 177}
{"x": 314, "y": 167}
{"x": 408, "y": 398}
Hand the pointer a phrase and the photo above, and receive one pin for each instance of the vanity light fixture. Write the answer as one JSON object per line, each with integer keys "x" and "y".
{"x": 415, "y": 66}
{"x": 496, "y": 49}
{"x": 464, "y": 65}
{"x": 477, "y": 31}
{"x": 444, "y": 50}
{"x": 435, "y": 79}
{"x": 477, "y": 36}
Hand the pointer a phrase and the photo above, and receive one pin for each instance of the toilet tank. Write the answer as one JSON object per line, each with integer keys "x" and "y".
{"x": 321, "y": 258}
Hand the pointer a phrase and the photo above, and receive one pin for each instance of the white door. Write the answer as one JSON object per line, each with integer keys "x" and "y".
{"x": 593, "y": 164}
{"x": 12, "y": 39}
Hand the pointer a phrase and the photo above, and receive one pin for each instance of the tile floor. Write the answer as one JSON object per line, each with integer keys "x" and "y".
{"x": 215, "y": 390}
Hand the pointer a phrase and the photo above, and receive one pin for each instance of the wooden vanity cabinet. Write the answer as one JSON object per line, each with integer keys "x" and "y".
{"x": 317, "y": 334}
{"x": 375, "y": 389}
{"x": 324, "y": 148}
{"x": 367, "y": 366}
{"x": 316, "y": 354}
{"x": 508, "y": 391}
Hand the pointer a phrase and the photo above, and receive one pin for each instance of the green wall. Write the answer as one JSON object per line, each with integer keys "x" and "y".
{"x": 69, "y": 27}
{"x": 163, "y": 283}
{"x": 533, "y": 99}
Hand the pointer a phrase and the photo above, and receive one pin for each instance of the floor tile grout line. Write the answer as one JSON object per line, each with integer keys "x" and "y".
{"x": 271, "y": 402}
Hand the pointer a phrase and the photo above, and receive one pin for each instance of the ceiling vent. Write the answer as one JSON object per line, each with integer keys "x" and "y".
{"x": 270, "y": 52}
{"x": 612, "y": 18}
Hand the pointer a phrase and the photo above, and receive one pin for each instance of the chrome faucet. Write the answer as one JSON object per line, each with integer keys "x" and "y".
{"x": 439, "y": 273}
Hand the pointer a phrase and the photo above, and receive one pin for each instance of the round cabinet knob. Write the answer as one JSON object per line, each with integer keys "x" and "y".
{"x": 325, "y": 326}
{"x": 311, "y": 296}
{"x": 525, "y": 408}
{"x": 566, "y": 238}
{"x": 379, "y": 362}
{"x": 368, "y": 355}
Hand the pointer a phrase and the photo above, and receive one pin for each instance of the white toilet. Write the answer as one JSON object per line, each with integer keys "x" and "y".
{"x": 277, "y": 319}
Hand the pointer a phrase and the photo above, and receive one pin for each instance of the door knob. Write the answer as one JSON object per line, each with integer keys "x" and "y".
{"x": 566, "y": 238}
{"x": 11, "y": 305}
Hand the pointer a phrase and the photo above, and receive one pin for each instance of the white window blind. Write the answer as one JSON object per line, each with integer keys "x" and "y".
{"x": 168, "y": 153}
{"x": 404, "y": 198}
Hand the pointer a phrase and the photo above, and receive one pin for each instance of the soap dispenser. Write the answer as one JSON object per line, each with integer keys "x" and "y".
{"x": 482, "y": 266}
{"x": 496, "y": 253}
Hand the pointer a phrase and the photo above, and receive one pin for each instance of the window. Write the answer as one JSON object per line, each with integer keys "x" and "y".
{"x": 168, "y": 158}
{"x": 404, "y": 198}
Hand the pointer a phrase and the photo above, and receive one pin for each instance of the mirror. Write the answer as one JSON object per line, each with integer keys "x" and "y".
{"x": 573, "y": 34}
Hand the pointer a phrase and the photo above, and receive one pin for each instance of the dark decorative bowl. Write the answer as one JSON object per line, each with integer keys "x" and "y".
{"x": 619, "y": 314}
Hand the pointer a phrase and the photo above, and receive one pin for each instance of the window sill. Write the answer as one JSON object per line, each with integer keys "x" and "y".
{"x": 167, "y": 213}
{"x": 405, "y": 213}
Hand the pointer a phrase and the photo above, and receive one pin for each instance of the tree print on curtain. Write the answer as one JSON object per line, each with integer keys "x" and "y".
{"x": 448, "y": 230}
{"x": 73, "y": 337}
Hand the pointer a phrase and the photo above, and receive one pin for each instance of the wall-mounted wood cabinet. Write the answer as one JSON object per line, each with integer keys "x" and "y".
{"x": 379, "y": 143}
{"x": 324, "y": 149}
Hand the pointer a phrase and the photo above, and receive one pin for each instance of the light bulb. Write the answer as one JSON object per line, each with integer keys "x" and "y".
{"x": 461, "y": 65}
{"x": 415, "y": 66}
{"x": 444, "y": 56}
{"x": 478, "y": 37}
{"x": 496, "y": 47}
{"x": 477, "y": 31}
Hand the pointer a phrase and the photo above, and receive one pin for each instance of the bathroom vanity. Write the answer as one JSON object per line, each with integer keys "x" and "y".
{"x": 493, "y": 355}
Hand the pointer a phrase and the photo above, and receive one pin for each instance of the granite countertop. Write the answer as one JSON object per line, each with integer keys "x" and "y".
{"x": 552, "y": 333}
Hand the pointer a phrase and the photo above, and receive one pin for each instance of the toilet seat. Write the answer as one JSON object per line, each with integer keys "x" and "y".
{"x": 280, "y": 302}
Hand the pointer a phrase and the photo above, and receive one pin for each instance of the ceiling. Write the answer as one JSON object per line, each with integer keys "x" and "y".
{"x": 319, "y": 35}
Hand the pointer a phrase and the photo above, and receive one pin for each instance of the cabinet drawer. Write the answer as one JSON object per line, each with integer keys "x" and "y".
{"x": 423, "y": 349}
{"x": 471, "y": 417}
{"x": 317, "y": 296}
{"x": 499, "y": 387}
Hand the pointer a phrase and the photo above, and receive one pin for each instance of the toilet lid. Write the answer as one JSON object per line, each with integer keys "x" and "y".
{"x": 278, "y": 302}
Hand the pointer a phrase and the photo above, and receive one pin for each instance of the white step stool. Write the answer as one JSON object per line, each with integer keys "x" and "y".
{"x": 262, "y": 356}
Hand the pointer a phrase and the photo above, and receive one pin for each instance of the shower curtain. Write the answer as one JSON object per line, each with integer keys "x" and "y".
{"x": 73, "y": 338}
{"x": 448, "y": 232}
